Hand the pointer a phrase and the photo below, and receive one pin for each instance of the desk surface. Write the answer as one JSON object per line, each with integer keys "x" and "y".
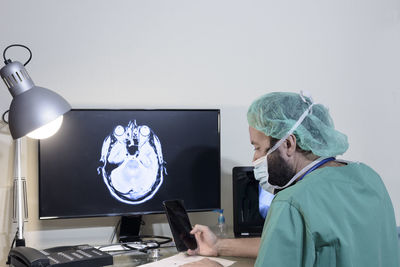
{"x": 132, "y": 259}
{"x": 136, "y": 259}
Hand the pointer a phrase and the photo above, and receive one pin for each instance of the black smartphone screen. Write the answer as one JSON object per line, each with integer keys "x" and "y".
{"x": 180, "y": 225}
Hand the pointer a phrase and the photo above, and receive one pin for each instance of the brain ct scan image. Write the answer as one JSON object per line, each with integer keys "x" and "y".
{"x": 132, "y": 163}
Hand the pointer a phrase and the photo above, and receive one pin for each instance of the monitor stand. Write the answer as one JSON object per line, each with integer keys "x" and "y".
{"x": 130, "y": 228}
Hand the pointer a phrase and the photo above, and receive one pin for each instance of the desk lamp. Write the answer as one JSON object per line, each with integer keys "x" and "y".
{"x": 35, "y": 112}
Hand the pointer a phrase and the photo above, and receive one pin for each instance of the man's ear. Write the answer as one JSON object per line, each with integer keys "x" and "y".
{"x": 290, "y": 145}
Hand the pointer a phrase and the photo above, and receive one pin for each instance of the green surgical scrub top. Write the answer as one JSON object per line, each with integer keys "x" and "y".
{"x": 334, "y": 216}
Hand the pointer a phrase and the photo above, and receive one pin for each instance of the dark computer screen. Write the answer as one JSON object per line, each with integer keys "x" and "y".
{"x": 250, "y": 203}
{"x": 127, "y": 162}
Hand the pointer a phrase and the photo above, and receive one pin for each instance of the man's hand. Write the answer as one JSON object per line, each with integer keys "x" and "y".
{"x": 209, "y": 245}
{"x": 203, "y": 263}
{"x": 206, "y": 241}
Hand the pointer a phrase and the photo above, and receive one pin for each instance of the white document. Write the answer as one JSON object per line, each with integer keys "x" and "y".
{"x": 182, "y": 258}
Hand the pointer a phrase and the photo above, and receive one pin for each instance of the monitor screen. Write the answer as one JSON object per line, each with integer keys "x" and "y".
{"x": 127, "y": 162}
{"x": 250, "y": 203}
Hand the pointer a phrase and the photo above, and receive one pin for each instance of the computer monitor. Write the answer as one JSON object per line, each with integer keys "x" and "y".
{"x": 250, "y": 203}
{"x": 106, "y": 162}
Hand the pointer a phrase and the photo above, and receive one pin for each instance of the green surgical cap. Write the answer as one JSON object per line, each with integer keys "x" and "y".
{"x": 274, "y": 114}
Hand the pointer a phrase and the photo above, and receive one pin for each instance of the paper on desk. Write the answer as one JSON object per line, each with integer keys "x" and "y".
{"x": 182, "y": 258}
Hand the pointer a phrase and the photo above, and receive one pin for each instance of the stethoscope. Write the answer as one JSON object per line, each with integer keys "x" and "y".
{"x": 322, "y": 162}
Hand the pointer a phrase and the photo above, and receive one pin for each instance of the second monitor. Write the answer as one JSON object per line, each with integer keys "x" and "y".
{"x": 250, "y": 203}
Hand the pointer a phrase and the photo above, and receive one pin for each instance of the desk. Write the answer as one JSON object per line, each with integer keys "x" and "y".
{"x": 135, "y": 259}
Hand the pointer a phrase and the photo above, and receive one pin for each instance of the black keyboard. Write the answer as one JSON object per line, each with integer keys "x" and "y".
{"x": 82, "y": 255}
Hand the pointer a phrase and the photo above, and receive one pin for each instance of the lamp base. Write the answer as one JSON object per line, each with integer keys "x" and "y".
{"x": 20, "y": 242}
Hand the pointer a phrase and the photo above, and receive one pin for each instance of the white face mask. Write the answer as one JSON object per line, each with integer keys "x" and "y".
{"x": 261, "y": 172}
{"x": 261, "y": 165}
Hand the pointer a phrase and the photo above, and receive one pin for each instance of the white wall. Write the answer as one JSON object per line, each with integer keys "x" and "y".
{"x": 205, "y": 54}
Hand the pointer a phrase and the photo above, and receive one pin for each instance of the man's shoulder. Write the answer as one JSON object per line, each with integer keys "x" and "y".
{"x": 353, "y": 174}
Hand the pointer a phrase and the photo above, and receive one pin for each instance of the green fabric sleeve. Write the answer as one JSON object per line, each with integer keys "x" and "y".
{"x": 285, "y": 239}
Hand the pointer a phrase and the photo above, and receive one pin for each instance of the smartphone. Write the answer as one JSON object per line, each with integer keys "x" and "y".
{"x": 180, "y": 225}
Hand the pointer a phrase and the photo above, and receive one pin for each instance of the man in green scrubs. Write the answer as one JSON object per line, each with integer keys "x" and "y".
{"x": 326, "y": 212}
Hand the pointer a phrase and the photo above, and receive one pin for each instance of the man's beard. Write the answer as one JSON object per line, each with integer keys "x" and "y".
{"x": 279, "y": 170}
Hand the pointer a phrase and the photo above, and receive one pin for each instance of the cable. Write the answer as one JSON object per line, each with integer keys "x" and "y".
{"x": 12, "y": 245}
{"x": 144, "y": 250}
{"x": 3, "y": 117}
{"x": 141, "y": 246}
{"x": 117, "y": 226}
{"x": 15, "y": 238}
{"x": 20, "y": 45}
{"x": 166, "y": 239}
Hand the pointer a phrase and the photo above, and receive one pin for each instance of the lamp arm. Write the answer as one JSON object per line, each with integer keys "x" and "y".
{"x": 20, "y": 241}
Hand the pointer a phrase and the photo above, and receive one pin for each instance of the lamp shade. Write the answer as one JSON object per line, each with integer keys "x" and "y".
{"x": 32, "y": 107}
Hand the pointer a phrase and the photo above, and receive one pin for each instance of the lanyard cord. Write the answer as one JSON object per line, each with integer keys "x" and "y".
{"x": 322, "y": 162}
